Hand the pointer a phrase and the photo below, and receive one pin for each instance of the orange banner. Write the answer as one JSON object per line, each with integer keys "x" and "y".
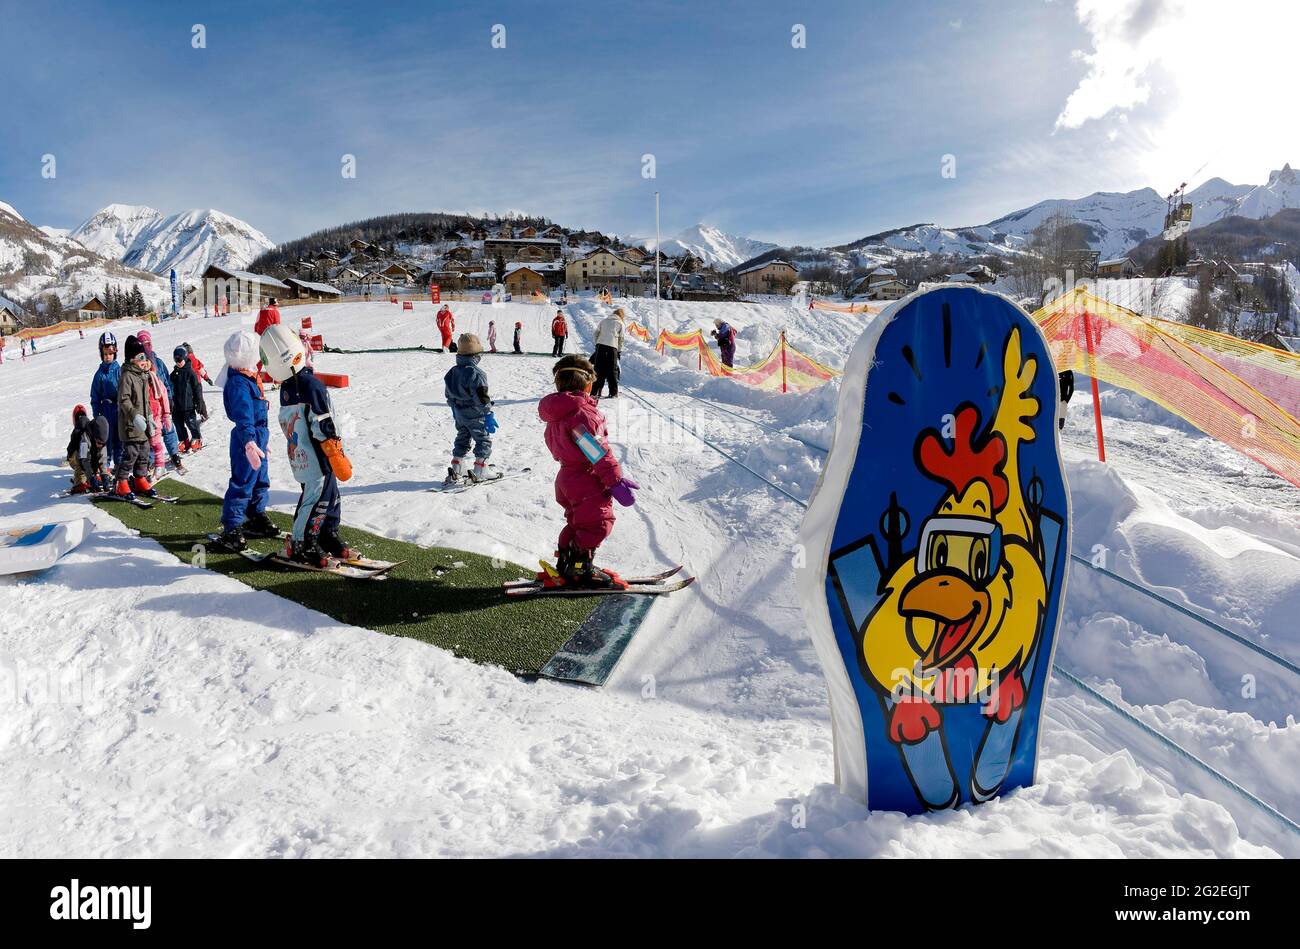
{"x": 784, "y": 369}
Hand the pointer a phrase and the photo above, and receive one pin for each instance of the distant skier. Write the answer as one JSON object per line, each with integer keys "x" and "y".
{"x": 559, "y": 331}
{"x": 135, "y": 427}
{"x": 243, "y": 511}
{"x": 188, "y": 404}
{"x": 589, "y": 479}
{"x": 315, "y": 451}
{"x": 447, "y": 326}
{"x": 609, "y": 350}
{"x": 726, "y": 338}
{"x": 1064, "y": 379}
{"x": 492, "y": 336}
{"x": 519, "y": 331}
{"x": 305, "y": 338}
{"x": 466, "y": 389}
{"x": 103, "y": 392}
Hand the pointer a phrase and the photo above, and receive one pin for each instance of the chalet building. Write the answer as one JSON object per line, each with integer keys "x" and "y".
{"x": 522, "y": 249}
{"x": 553, "y": 231}
{"x": 92, "y": 309}
{"x": 316, "y": 292}
{"x": 376, "y": 279}
{"x": 602, "y": 268}
{"x": 445, "y": 279}
{"x": 239, "y": 288}
{"x": 636, "y": 255}
{"x": 523, "y": 280}
{"x": 360, "y": 246}
{"x": 398, "y": 274}
{"x": 1118, "y": 267}
{"x": 460, "y": 253}
{"x": 478, "y": 234}
{"x": 11, "y": 321}
{"x": 528, "y": 231}
{"x": 888, "y": 290}
{"x": 326, "y": 257}
{"x": 480, "y": 280}
{"x": 463, "y": 266}
{"x": 773, "y": 276}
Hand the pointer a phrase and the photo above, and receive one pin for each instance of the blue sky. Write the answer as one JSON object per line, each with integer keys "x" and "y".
{"x": 818, "y": 145}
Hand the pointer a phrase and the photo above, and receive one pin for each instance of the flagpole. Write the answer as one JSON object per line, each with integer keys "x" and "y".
{"x": 657, "y": 281}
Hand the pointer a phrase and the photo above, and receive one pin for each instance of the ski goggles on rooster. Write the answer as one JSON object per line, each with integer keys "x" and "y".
{"x": 969, "y": 546}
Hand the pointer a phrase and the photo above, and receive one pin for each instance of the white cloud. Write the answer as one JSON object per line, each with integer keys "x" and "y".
{"x": 1205, "y": 81}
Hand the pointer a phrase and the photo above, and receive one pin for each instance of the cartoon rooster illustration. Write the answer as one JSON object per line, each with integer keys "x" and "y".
{"x": 958, "y": 621}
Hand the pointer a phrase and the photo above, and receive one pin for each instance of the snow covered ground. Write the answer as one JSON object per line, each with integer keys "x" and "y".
{"x": 148, "y": 707}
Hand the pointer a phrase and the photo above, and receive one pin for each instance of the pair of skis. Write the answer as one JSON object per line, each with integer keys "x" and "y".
{"x": 464, "y": 484}
{"x": 652, "y": 585}
{"x": 144, "y": 503}
{"x": 355, "y": 568}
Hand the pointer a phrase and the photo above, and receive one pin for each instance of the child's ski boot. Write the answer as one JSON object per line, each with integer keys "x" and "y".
{"x": 259, "y": 525}
{"x": 196, "y": 445}
{"x": 233, "y": 538}
{"x": 143, "y": 487}
{"x": 483, "y": 471}
{"x": 333, "y": 545}
{"x": 579, "y": 571}
{"x": 308, "y": 553}
{"x": 124, "y": 491}
{"x": 83, "y": 488}
{"x": 177, "y": 466}
{"x": 456, "y": 473}
{"x": 183, "y": 448}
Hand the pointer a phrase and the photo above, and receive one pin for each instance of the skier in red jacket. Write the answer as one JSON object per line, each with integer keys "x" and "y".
{"x": 266, "y": 316}
{"x": 447, "y": 326}
{"x": 559, "y": 331}
{"x": 590, "y": 479}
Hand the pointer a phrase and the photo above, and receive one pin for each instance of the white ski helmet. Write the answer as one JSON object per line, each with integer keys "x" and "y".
{"x": 282, "y": 352}
{"x": 241, "y": 351}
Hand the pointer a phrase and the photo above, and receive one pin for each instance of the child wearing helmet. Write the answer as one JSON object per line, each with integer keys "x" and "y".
{"x": 519, "y": 329}
{"x": 86, "y": 454}
{"x": 466, "y": 389}
{"x": 103, "y": 392}
{"x": 135, "y": 426}
{"x": 315, "y": 450}
{"x": 243, "y": 512}
{"x": 188, "y": 404}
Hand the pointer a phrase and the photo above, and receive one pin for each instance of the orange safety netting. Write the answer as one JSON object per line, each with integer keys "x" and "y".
{"x": 640, "y": 332}
{"x": 1116, "y": 345}
{"x": 40, "y": 332}
{"x": 816, "y": 304}
{"x": 783, "y": 369}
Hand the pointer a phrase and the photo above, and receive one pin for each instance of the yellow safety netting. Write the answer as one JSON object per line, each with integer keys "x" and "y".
{"x": 784, "y": 369}
{"x": 1274, "y": 372}
{"x": 1184, "y": 370}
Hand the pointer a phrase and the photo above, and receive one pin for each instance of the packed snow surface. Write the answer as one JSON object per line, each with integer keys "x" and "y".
{"x": 153, "y": 708}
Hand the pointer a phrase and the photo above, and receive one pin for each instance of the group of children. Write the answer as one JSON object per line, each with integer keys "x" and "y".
{"x": 124, "y": 441}
{"x": 132, "y": 410}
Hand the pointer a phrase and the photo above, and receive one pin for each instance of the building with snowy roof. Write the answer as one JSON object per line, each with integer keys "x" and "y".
{"x": 239, "y": 288}
{"x": 524, "y": 249}
{"x": 318, "y": 292}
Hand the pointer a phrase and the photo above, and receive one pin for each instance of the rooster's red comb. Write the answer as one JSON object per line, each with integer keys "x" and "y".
{"x": 966, "y": 463}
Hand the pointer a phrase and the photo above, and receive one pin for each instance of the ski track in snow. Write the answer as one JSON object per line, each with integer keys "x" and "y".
{"x": 155, "y": 708}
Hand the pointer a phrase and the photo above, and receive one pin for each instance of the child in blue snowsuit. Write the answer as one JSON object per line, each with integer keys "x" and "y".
{"x": 103, "y": 393}
{"x": 466, "y": 388}
{"x": 243, "y": 513}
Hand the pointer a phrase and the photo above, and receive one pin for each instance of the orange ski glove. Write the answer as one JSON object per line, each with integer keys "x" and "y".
{"x": 333, "y": 449}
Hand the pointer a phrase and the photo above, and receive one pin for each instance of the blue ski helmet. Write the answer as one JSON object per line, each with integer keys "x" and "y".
{"x": 106, "y": 339}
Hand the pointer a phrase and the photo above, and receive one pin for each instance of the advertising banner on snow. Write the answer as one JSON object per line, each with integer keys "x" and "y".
{"x": 175, "y": 297}
{"x": 937, "y": 542}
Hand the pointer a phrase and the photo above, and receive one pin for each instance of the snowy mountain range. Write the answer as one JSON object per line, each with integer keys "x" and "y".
{"x": 717, "y": 248}
{"x": 36, "y": 261}
{"x": 1115, "y": 222}
{"x": 187, "y": 242}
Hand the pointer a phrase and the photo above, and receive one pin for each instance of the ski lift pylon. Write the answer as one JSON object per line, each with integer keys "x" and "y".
{"x": 1178, "y": 214}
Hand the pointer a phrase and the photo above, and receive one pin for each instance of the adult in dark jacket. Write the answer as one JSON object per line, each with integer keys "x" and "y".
{"x": 187, "y": 401}
{"x": 103, "y": 392}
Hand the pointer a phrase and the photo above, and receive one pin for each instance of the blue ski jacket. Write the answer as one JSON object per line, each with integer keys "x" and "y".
{"x": 103, "y": 390}
{"x": 467, "y": 390}
{"x": 246, "y": 407}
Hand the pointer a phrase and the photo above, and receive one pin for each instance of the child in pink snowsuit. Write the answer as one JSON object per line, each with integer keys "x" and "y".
{"x": 589, "y": 480}
{"x": 161, "y": 410}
